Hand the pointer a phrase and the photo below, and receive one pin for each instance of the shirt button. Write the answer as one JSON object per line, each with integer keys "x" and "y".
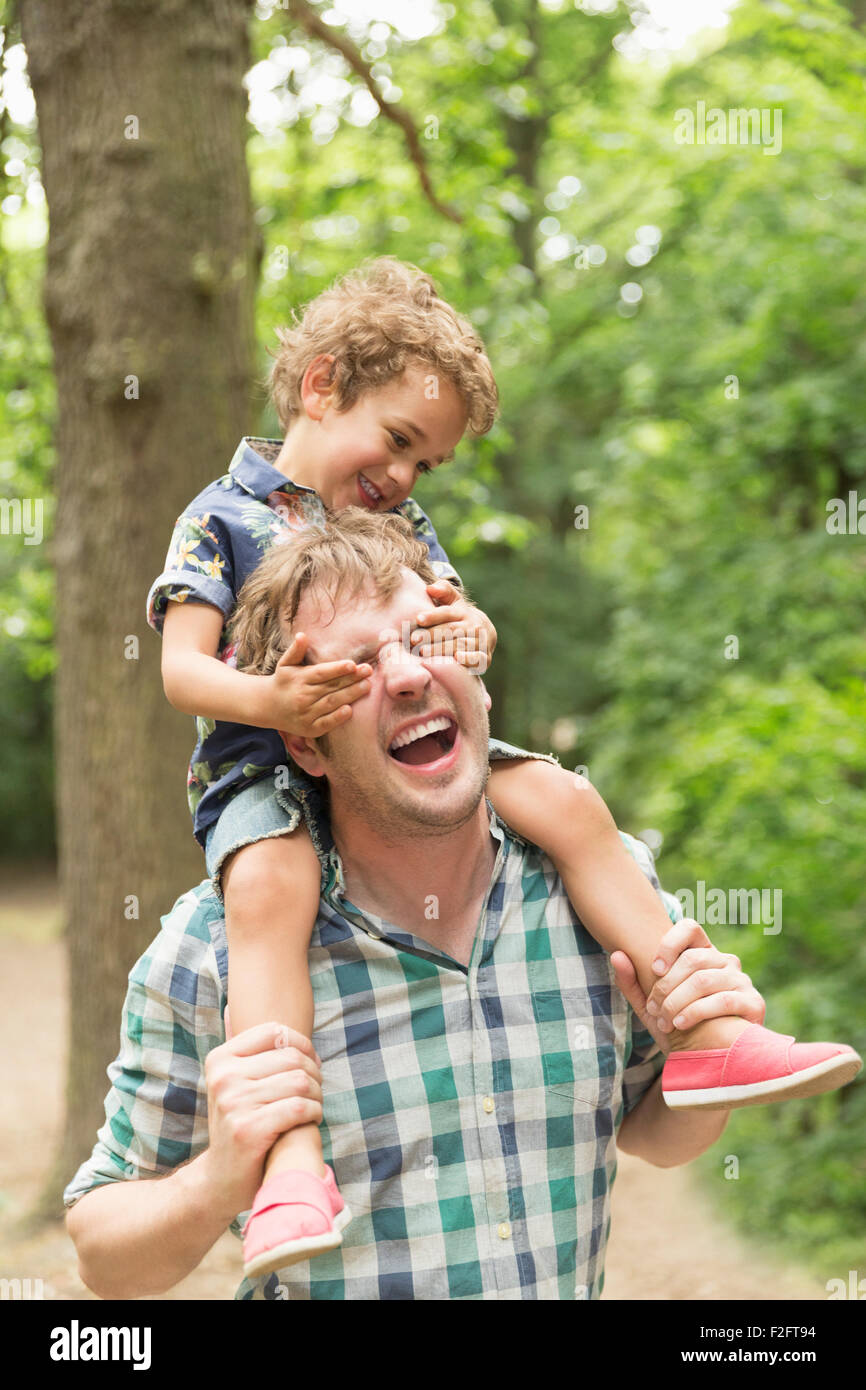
{"x": 503, "y": 1230}
{"x": 488, "y": 1104}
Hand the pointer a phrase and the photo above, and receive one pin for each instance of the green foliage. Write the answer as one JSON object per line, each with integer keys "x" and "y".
{"x": 676, "y": 331}
{"x": 26, "y": 460}
{"x": 707, "y": 496}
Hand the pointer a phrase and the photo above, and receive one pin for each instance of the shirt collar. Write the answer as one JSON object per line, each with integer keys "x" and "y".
{"x": 252, "y": 468}
{"x": 335, "y": 885}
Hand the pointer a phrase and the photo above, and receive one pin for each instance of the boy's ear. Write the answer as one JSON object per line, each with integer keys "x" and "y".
{"x": 304, "y": 752}
{"x": 317, "y": 385}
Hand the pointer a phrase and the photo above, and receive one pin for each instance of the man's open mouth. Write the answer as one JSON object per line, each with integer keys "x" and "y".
{"x": 424, "y": 743}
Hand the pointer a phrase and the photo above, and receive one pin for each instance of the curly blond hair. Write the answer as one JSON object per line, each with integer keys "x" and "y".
{"x": 354, "y": 550}
{"x": 376, "y": 321}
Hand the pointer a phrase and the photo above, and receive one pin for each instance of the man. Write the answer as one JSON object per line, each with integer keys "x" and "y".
{"x": 474, "y": 1065}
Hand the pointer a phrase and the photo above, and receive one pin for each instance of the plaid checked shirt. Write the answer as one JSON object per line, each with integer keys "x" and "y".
{"x": 469, "y": 1114}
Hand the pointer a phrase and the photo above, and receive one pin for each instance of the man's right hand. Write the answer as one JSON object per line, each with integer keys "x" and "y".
{"x": 260, "y": 1084}
{"x": 309, "y": 701}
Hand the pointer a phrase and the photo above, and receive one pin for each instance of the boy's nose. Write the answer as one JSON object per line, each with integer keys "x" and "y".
{"x": 402, "y": 475}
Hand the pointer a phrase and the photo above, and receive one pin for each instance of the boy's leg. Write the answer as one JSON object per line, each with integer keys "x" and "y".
{"x": 718, "y": 1063}
{"x": 271, "y": 890}
{"x": 271, "y": 893}
{"x": 564, "y": 814}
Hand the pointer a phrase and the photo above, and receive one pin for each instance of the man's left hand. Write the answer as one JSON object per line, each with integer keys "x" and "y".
{"x": 699, "y": 983}
{"x": 454, "y": 628}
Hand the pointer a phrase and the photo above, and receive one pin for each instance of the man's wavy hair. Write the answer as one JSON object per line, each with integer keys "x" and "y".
{"x": 376, "y": 321}
{"x": 354, "y": 551}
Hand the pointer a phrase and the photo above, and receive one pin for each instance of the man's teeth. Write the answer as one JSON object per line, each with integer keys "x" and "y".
{"x": 369, "y": 489}
{"x": 433, "y": 726}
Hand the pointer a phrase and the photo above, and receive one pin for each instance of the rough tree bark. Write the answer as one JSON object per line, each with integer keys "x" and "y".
{"x": 152, "y": 261}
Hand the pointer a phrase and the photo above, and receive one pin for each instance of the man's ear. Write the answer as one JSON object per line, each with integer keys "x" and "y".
{"x": 304, "y": 752}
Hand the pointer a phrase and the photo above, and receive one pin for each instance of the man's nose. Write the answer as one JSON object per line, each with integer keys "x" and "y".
{"x": 406, "y": 676}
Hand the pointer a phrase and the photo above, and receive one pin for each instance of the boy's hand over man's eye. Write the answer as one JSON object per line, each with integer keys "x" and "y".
{"x": 455, "y": 628}
{"x": 310, "y": 701}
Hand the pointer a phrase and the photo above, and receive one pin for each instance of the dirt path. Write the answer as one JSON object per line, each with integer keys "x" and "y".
{"x": 666, "y": 1242}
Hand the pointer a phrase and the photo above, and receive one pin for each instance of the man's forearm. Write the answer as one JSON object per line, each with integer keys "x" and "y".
{"x": 143, "y": 1236}
{"x": 667, "y": 1137}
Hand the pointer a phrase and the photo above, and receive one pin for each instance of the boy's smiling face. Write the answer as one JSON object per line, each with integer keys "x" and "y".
{"x": 372, "y": 454}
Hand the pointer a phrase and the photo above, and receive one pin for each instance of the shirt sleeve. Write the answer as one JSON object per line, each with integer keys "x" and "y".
{"x": 644, "y": 1062}
{"x": 156, "y": 1108}
{"x": 198, "y": 568}
{"x": 423, "y": 528}
{"x": 644, "y": 1058}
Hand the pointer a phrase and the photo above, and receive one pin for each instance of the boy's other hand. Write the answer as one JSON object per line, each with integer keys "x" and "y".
{"x": 455, "y": 628}
{"x": 310, "y": 701}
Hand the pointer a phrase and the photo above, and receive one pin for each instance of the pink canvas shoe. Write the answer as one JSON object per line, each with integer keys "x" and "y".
{"x": 295, "y": 1216}
{"x": 760, "y": 1066}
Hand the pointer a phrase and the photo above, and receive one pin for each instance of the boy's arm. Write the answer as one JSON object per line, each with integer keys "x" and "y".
{"x": 299, "y": 699}
{"x": 195, "y": 681}
{"x": 189, "y": 604}
{"x": 426, "y": 533}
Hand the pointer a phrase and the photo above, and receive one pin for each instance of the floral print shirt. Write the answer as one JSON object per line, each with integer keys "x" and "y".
{"x": 217, "y": 543}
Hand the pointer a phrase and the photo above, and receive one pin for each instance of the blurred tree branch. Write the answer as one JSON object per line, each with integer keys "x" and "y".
{"x": 315, "y": 26}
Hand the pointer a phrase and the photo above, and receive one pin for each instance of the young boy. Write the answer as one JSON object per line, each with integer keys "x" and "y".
{"x": 374, "y": 384}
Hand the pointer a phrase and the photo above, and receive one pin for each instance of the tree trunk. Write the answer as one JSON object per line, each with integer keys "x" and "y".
{"x": 152, "y": 261}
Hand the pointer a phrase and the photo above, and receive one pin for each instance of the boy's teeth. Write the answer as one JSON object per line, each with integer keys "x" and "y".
{"x": 420, "y": 731}
{"x": 370, "y": 490}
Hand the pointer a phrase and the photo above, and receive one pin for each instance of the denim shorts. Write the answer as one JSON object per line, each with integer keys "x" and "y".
{"x": 276, "y": 806}
{"x": 271, "y": 806}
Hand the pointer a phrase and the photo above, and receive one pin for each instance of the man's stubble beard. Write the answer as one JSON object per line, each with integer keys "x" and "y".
{"x": 399, "y": 818}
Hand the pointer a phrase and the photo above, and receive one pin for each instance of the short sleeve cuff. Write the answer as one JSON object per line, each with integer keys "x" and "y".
{"x": 182, "y": 586}
{"x": 100, "y": 1168}
{"x": 645, "y": 1063}
{"x": 104, "y": 1167}
{"x": 443, "y": 569}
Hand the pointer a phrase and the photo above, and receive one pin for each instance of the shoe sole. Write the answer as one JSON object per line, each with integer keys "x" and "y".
{"x": 824, "y": 1076}
{"x": 292, "y": 1252}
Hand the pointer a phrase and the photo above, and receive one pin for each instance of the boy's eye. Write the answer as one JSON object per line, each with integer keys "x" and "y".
{"x": 425, "y": 467}
{"x": 399, "y": 439}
